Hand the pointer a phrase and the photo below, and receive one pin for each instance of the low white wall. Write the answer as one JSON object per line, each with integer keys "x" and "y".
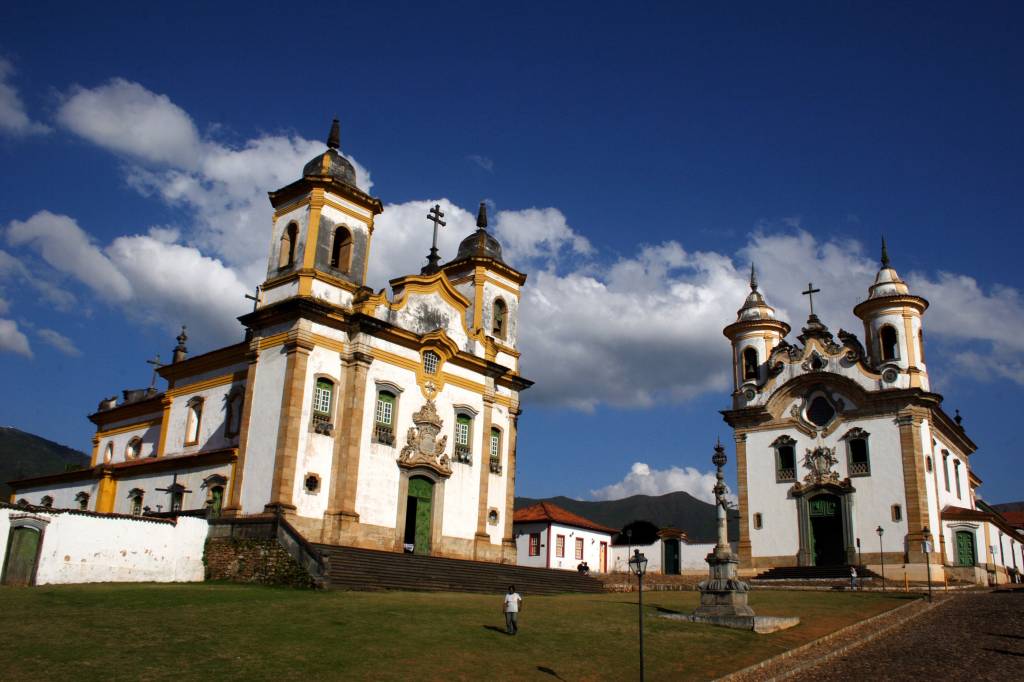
{"x": 85, "y": 548}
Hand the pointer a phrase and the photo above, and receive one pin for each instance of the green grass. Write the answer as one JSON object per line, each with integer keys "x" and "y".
{"x": 219, "y": 631}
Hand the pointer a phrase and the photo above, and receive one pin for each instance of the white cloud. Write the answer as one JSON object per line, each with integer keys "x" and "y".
{"x": 482, "y": 161}
{"x": 13, "y": 270}
{"x": 12, "y": 340}
{"x": 67, "y": 247}
{"x": 643, "y": 480}
{"x": 535, "y": 233}
{"x": 13, "y": 119}
{"x": 5, "y": 307}
{"x": 59, "y": 341}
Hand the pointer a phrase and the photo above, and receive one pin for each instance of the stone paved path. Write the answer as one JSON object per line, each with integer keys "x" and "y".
{"x": 974, "y": 636}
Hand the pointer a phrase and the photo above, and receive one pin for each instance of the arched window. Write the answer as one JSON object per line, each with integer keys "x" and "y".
{"x": 233, "y": 416}
{"x": 82, "y": 499}
{"x": 920, "y": 343}
{"x": 758, "y": 521}
{"x": 135, "y": 501}
{"x": 384, "y": 418}
{"x": 889, "y": 342}
{"x": 133, "y": 449}
{"x": 857, "y": 460}
{"x": 341, "y": 249}
{"x": 215, "y": 501}
{"x": 46, "y": 501}
{"x": 323, "y": 400}
{"x": 500, "y": 320}
{"x": 463, "y": 435}
{"x": 193, "y": 418}
{"x": 430, "y": 362}
{"x": 286, "y": 253}
{"x": 956, "y": 477}
{"x": 749, "y": 363}
{"x": 785, "y": 459}
{"x": 108, "y": 452}
{"x": 495, "y": 450}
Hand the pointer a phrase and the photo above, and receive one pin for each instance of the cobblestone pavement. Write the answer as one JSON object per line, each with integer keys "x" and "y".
{"x": 974, "y": 636}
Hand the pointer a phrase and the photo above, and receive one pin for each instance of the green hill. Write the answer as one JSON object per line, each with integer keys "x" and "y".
{"x": 679, "y": 509}
{"x": 23, "y": 455}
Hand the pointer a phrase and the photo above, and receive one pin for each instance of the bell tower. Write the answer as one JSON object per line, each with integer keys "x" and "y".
{"x": 754, "y": 334}
{"x": 323, "y": 225}
{"x": 893, "y": 328}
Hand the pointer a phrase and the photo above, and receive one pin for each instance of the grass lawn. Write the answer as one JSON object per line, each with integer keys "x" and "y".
{"x": 222, "y": 631}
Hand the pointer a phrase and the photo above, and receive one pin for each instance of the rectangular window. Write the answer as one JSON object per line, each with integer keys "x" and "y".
{"x": 757, "y": 521}
{"x": 956, "y": 475}
{"x": 560, "y": 546}
{"x": 897, "y": 513}
{"x": 383, "y": 417}
{"x": 945, "y": 468}
{"x": 534, "y": 544}
{"x": 785, "y": 463}
{"x": 859, "y": 465}
{"x": 579, "y": 548}
{"x": 495, "y": 451}
{"x": 322, "y": 396}
{"x": 463, "y": 451}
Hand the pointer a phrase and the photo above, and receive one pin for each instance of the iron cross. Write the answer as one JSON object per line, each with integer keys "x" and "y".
{"x": 174, "y": 487}
{"x": 811, "y": 291}
{"x": 434, "y": 215}
{"x": 255, "y": 299}
{"x": 156, "y": 366}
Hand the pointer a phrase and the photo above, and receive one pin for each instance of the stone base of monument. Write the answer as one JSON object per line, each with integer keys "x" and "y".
{"x": 759, "y": 624}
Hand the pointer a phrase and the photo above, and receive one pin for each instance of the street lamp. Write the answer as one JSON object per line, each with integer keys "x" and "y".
{"x": 926, "y": 546}
{"x": 638, "y": 565}
{"x": 881, "y": 554}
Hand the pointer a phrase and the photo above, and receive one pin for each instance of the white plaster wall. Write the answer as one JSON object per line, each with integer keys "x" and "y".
{"x": 211, "y": 424}
{"x": 411, "y": 316}
{"x": 264, "y": 420}
{"x": 694, "y": 557}
{"x": 491, "y": 292}
{"x": 150, "y": 436}
{"x": 63, "y": 494}
{"x": 497, "y": 485}
{"x": 279, "y": 292}
{"x": 80, "y": 548}
{"x": 591, "y": 548}
{"x": 522, "y": 533}
{"x": 185, "y": 382}
{"x": 653, "y": 552}
{"x": 133, "y": 420}
{"x": 872, "y": 501}
{"x": 315, "y": 450}
{"x": 331, "y": 293}
{"x": 462, "y": 490}
{"x": 949, "y": 530}
{"x": 192, "y": 479}
{"x": 756, "y": 341}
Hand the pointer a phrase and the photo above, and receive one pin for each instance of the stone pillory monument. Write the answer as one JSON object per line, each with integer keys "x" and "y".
{"x": 363, "y": 419}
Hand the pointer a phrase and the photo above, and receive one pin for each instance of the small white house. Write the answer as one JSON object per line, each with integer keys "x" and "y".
{"x": 548, "y": 536}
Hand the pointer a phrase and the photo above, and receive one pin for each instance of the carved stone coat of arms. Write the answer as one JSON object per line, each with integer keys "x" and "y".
{"x": 423, "y": 446}
{"x": 820, "y": 461}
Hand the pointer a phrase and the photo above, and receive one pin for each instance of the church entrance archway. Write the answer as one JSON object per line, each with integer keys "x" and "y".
{"x": 419, "y": 514}
{"x": 22, "y": 558}
{"x": 827, "y": 545}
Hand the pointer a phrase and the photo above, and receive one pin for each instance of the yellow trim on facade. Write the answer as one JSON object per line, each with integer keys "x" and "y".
{"x": 316, "y": 204}
{"x": 106, "y": 493}
{"x": 209, "y": 383}
{"x": 165, "y": 422}
{"x": 365, "y": 219}
{"x": 100, "y": 435}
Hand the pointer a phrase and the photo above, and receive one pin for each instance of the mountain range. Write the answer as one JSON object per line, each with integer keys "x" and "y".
{"x": 24, "y": 455}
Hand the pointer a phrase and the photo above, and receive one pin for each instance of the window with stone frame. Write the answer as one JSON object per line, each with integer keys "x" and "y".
{"x": 384, "y": 418}
{"x": 215, "y": 501}
{"x": 945, "y": 468}
{"x": 858, "y": 462}
{"x": 495, "y": 450}
{"x": 108, "y": 453}
{"x": 956, "y": 477}
{"x": 534, "y": 544}
{"x": 233, "y": 412}
{"x": 193, "y": 419}
{"x": 341, "y": 249}
{"x": 560, "y": 546}
{"x": 579, "y": 548}
{"x": 430, "y": 362}
{"x": 889, "y": 342}
{"x": 463, "y": 438}
{"x": 323, "y": 402}
{"x": 897, "y": 513}
{"x": 785, "y": 459}
{"x": 750, "y": 364}
{"x": 135, "y": 497}
{"x": 82, "y": 499}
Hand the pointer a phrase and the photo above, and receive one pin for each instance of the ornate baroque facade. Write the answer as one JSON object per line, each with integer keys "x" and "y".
{"x": 378, "y": 421}
{"x": 844, "y": 455}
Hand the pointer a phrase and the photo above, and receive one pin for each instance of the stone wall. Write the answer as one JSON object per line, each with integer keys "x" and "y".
{"x": 260, "y": 561}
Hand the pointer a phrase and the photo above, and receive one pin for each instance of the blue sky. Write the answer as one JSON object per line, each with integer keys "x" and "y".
{"x": 635, "y": 162}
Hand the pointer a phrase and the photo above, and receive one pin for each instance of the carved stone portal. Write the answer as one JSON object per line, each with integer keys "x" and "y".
{"x": 423, "y": 447}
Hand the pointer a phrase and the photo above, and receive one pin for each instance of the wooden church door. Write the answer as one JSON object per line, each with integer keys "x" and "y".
{"x": 419, "y": 510}
{"x": 22, "y": 555}
{"x": 965, "y": 548}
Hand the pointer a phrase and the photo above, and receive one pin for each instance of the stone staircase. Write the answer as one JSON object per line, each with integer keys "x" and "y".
{"x": 814, "y": 573}
{"x": 350, "y": 568}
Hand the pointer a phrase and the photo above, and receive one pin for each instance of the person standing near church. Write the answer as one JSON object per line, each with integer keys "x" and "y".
{"x": 853, "y": 578}
{"x": 512, "y": 602}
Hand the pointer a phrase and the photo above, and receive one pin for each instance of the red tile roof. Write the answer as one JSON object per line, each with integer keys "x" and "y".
{"x": 551, "y": 513}
{"x": 1016, "y": 518}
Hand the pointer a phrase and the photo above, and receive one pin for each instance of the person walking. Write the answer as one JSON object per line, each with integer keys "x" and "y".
{"x": 512, "y": 603}
{"x": 853, "y": 578}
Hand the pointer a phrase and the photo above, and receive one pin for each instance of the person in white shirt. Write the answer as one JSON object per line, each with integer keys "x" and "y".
{"x": 512, "y": 603}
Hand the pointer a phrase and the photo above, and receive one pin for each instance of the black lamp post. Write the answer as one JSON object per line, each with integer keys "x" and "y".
{"x": 881, "y": 554}
{"x": 927, "y": 547}
{"x": 638, "y": 565}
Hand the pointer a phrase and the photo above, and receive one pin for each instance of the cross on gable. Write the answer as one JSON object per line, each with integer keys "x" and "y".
{"x": 174, "y": 487}
{"x": 811, "y": 291}
{"x": 434, "y": 215}
{"x": 156, "y": 366}
{"x": 256, "y": 298}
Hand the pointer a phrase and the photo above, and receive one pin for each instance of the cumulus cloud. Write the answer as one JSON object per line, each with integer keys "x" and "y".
{"x": 538, "y": 233}
{"x": 59, "y": 341}
{"x": 14, "y": 271}
{"x": 643, "y": 480}
{"x": 13, "y": 118}
{"x": 12, "y": 340}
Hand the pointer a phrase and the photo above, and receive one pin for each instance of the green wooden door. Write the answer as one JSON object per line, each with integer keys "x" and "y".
{"x": 965, "y": 548}
{"x": 671, "y": 557}
{"x": 22, "y": 549}
{"x": 423, "y": 490}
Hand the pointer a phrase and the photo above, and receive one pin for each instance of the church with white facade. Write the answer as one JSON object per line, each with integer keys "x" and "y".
{"x": 367, "y": 419}
{"x": 844, "y": 454}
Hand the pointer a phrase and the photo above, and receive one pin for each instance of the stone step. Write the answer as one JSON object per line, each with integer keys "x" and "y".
{"x": 814, "y": 573}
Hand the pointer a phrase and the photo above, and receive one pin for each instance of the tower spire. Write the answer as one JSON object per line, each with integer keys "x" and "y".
{"x": 753, "y": 277}
{"x": 334, "y": 137}
{"x": 885, "y": 254}
{"x": 481, "y": 216}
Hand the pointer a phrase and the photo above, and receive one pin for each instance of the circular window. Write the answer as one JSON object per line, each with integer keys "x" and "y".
{"x": 749, "y": 394}
{"x": 889, "y": 375}
{"x": 820, "y": 411}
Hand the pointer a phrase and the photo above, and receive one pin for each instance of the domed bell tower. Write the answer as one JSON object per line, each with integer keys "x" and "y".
{"x": 893, "y": 329}
{"x": 754, "y": 334}
{"x": 323, "y": 224}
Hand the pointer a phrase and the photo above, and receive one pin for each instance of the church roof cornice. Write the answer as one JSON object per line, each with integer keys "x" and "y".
{"x": 872, "y": 305}
{"x": 128, "y": 411}
{"x": 199, "y": 364}
{"x": 737, "y": 328}
{"x": 302, "y": 186}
